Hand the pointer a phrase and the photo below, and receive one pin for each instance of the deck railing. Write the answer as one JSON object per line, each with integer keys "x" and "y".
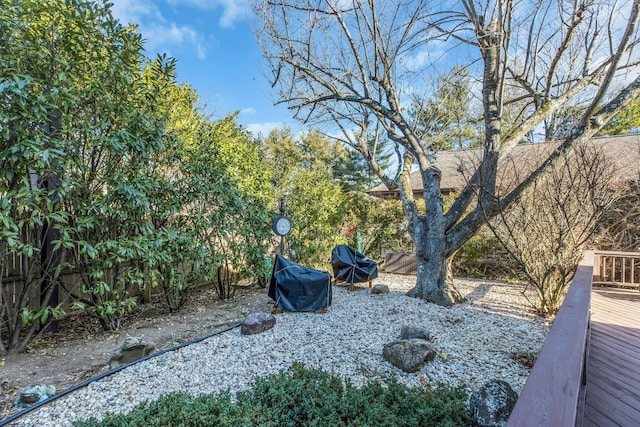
{"x": 616, "y": 269}
{"x": 553, "y": 392}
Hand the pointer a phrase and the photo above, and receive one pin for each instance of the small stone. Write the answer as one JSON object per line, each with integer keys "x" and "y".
{"x": 492, "y": 404}
{"x": 409, "y": 332}
{"x": 257, "y": 322}
{"x": 380, "y": 288}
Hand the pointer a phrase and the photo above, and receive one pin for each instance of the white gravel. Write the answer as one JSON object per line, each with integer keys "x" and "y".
{"x": 475, "y": 341}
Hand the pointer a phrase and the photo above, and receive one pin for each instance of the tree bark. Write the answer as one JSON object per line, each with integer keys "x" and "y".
{"x": 434, "y": 281}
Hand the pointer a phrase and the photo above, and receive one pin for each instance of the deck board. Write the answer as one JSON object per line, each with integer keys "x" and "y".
{"x": 602, "y": 351}
{"x": 613, "y": 366}
{"x": 608, "y": 340}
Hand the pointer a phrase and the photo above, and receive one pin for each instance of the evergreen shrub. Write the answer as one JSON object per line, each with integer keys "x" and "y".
{"x": 302, "y": 396}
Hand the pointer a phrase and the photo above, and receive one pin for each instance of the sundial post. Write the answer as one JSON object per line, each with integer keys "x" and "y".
{"x": 282, "y": 225}
{"x": 282, "y": 211}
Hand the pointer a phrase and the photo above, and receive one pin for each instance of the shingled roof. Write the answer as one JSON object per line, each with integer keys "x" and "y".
{"x": 622, "y": 151}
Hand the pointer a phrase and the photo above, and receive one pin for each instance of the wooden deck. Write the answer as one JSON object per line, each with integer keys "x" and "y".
{"x": 613, "y": 360}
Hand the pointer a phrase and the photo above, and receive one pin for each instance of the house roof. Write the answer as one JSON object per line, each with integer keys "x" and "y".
{"x": 457, "y": 165}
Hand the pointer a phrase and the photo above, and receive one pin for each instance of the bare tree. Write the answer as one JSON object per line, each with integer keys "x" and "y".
{"x": 353, "y": 65}
{"x": 620, "y": 228}
{"x": 557, "y": 217}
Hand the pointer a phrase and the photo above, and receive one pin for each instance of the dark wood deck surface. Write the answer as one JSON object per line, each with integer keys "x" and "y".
{"x": 613, "y": 362}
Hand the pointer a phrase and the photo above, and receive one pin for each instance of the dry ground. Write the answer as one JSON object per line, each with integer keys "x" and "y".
{"x": 81, "y": 350}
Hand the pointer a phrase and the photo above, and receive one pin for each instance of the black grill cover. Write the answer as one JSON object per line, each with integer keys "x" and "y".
{"x": 351, "y": 266}
{"x": 297, "y": 288}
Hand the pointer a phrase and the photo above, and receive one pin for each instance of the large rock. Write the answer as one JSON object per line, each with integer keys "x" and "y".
{"x": 257, "y": 322}
{"x": 133, "y": 348}
{"x": 409, "y": 332}
{"x": 408, "y": 355}
{"x": 492, "y": 404}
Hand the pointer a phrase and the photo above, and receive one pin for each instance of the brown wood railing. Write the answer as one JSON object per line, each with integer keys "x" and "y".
{"x": 616, "y": 269}
{"x": 553, "y": 393}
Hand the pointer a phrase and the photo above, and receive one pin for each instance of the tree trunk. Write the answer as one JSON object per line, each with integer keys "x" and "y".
{"x": 50, "y": 258}
{"x": 434, "y": 281}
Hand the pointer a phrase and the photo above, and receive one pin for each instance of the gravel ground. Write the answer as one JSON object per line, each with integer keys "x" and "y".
{"x": 476, "y": 342}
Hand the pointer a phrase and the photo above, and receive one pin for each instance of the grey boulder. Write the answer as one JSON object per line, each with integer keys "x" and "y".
{"x": 492, "y": 404}
{"x": 408, "y": 355}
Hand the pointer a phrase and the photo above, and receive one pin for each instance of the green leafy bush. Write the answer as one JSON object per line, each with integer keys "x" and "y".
{"x": 381, "y": 223}
{"x": 482, "y": 256}
{"x": 303, "y": 397}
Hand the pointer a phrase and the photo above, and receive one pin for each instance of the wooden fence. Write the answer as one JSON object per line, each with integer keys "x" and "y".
{"x": 71, "y": 284}
{"x": 70, "y": 281}
{"x": 400, "y": 263}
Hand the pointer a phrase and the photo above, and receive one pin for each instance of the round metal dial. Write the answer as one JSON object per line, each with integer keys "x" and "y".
{"x": 282, "y": 226}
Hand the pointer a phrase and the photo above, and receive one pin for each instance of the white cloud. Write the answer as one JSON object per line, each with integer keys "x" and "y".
{"x": 344, "y": 5}
{"x": 201, "y": 51}
{"x": 248, "y": 110}
{"x": 135, "y": 11}
{"x": 434, "y": 53}
{"x": 263, "y": 129}
{"x": 416, "y": 61}
{"x": 234, "y": 10}
{"x": 158, "y": 33}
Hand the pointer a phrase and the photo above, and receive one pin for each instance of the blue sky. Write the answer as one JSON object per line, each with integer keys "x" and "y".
{"x": 216, "y": 52}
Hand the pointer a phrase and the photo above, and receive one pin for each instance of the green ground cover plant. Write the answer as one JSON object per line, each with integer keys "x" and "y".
{"x": 302, "y": 396}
